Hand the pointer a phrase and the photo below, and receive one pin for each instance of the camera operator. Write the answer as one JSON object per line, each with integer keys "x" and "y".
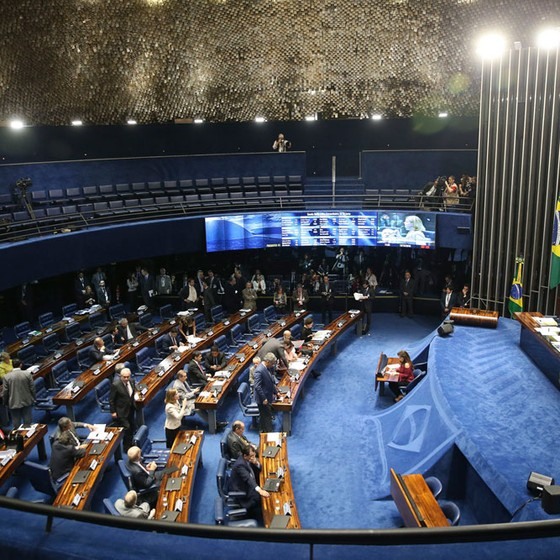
{"x": 281, "y": 144}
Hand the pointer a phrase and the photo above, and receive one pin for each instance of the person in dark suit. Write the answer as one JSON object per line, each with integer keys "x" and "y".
{"x": 367, "y": 303}
{"x": 147, "y": 287}
{"x": 80, "y": 284}
{"x": 196, "y": 373}
{"x": 245, "y": 478}
{"x": 64, "y": 453}
{"x": 125, "y": 331}
{"x": 232, "y": 297}
{"x": 447, "y": 301}
{"x": 98, "y": 352}
{"x": 143, "y": 476}
{"x": 464, "y": 297}
{"x": 67, "y": 425}
{"x": 327, "y": 300}
{"x": 214, "y": 360}
{"x": 237, "y": 443}
{"x": 307, "y": 331}
{"x": 171, "y": 341}
{"x": 407, "y": 295}
{"x": 208, "y": 300}
{"x": 103, "y": 297}
{"x": 265, "y": 391}
{"x": 121, "y": 403}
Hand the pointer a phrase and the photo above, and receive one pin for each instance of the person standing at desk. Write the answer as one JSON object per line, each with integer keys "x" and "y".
{"x": 244, "y": 478}
{"x": 265, "y": 391}
{"x": 19, "y": 394}
{"x": 367, "y": 303}
{"x": 406, "y": 375}
{"x": 122, "y": 405}
{"x": 447, "y": 301}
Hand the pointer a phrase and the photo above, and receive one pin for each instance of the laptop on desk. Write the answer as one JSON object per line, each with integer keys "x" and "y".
{"x": 169, "y": 515}
{"x": 174, "y": 484}
{"x": 97, "y": 449}
{"x": 80, "y": 477}
{"x": 182, "y": 448}
{"x": 279, "y": 522}
{"x": 272, "y": 484}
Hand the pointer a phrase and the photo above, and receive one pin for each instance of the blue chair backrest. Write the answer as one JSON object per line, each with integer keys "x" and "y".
{"x": 217, "y": 313}
{"x": 69, "y": 309}
{"x": 166, "y": 311}
{"x": 21, "y": 329}
{"x": 46, "y": 319}
{"x": 40, "y": 389}
{"x": 296, "y": 331}
{"x": 72, "y": 331}
{"x": 236, "y": 333}
{"x": 28, "y": 355}
{"x": 253, "y": 323}
{"x": 269, "y": 314}
{"x": 51, "y": 342}
{"x": 96, "y": 320}
{"x": 146, "y": 320}
{"x": 221, "y": 343}
{"x": 117, "y": 311}
{"x": 142, "y": 440}
{"x": 84, "y": 361}
{"x": 199, "y": 321}
{"x": 60, "y": 369}
{"x": 142, "y": 356}
{"x": 110, "y": 507}
{"x": 102, "y": 392}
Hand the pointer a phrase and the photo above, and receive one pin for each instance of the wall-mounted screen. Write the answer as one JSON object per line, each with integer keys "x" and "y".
{"x": 407, "y": 229}
{"x": 312, "y": 229}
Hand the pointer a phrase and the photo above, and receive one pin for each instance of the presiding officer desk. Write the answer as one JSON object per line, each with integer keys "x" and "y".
{"x": 415, "y": 501}
{"x": 76, "y": 492}
{"x": 163, "y": 374}
{"x": 540, "y": 340}
{"x": 216, "y": 389}
{"x": 175, "y": 492}
{"x": 279, "y": 510}
{"x": 292, "y": 382}
{"x": 77, "y": 389}
{"x": 32, "y": 436}
{"x": 381, "y": 374}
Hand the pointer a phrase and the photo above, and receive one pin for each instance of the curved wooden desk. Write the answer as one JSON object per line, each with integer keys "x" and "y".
{"x": 474, "y": 317}
{"x": 283, "y": 501}
{"x": 161, "y": 376}
{"x": 191, "y": 459}
{"x": 216, "y": 390}
{"x": 29, "y": 442}
{"x": 291, "y": 388}
{"x": 78, "y": 495}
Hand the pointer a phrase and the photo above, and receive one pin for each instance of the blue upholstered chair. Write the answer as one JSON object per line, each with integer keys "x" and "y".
{"x": 451, "y": 511}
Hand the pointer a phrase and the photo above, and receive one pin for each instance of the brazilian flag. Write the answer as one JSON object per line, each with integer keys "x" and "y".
{"x": 555, "y": 257}
{"x": 516, "y": 294}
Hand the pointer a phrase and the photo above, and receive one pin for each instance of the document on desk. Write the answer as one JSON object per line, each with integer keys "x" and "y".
{"x": 546, "y": 321}
{"x": 321, "y": 335}
{"x": 298, "y": 365}
{"x": 191, "y": 339}
{"x": 98, "y": 432}
{"x": 274, "y": 438}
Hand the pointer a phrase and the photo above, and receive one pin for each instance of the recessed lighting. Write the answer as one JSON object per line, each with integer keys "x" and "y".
{"x": 310, "y": 118}
{"x": 376, "y": 117}
{"x": 442, "y": 115}
{"x": 491, "y": 45}
{"x": 17, "y": 124}
{"x": 198, "y": 121}
{"x": 131, "y": 121}
{"x": 549, "y": 38}
{"x": 77, "y": 122}
{"x": 260, "y": 119}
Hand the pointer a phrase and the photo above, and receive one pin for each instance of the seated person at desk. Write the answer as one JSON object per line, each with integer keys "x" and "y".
{"x": 98, "y": 352}
{"x": 66, "y": 425}
{"x": 143, "y": 476}
{"x": 307, "y": 331}
{"x": 125, "y": 332}
{"x": 215, "y": 360}
{"x": 406, "y": 375}
{"x": 128, "y": 507}
{"x": 236, "y": 440}
{"x": 196, "y": 373}
{"x": 171, "y": 341}
{"x": 245, "y": 478}
{"x": 290, "y": 352}
{"x": 63, "y": 455}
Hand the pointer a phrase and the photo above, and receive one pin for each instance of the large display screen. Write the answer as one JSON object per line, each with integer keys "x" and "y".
{"x": 311, "y": 229}
{"x": 407, "y": 229}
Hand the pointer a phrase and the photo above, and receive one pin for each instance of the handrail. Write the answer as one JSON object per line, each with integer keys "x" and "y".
{"x": 28, "y": 229}
{"x": 374, "y": 537}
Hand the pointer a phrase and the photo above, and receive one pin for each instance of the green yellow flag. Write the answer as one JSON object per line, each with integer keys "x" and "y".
{"x": 516, "y": 294}
{"x": 555, "y": 257}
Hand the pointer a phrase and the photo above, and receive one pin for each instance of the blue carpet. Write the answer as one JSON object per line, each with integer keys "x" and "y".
{"x": 482, "y": 396}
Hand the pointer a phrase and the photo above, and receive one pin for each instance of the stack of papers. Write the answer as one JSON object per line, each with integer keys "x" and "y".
{"x": 6, "y": 456}
{"x": 191, "y": 339}
{"x": 321, "y": 335}
{"x": 546, "y": 321}
{"x": 98, "y": 433}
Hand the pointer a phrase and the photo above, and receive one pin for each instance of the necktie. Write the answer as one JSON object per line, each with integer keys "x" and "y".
{"x": 129, "y": 388}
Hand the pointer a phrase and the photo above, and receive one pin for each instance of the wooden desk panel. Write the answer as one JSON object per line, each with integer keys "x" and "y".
{"x": 90, "y": 378}
{"x": 274, "y": 505}
{"x": 415, "y": 501}
{"x": 69, "y": 489}
{"x": 235, "y": 366}
{"x": 29, "y": 443}
{"x": 155, "y": 380}
{"x": 286, "y": 404}
{"x": 58, "y": 327}
{"x": 380, "y": 376}
{"x": 474, "y": 317}
{"x": 191, "y": 459}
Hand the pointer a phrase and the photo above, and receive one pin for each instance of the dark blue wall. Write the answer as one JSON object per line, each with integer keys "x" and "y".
{"x": 397, "y": 169}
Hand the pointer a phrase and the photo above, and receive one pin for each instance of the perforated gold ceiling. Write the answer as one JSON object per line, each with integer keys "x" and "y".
{"x": 155, "y": 60}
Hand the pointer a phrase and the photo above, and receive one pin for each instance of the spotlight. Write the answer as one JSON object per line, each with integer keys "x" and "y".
{"x": 310, "y": 118}
{"x": 131, "y": 121}
{"x": 490, "y": 46}
{"x": 17, "y": 124}
{"x": 198, "y": 121}
{"x": 442, "y": 115}
{"x": 549, "y": 38}
{"x": 260, "y": 119}
{"x": 376, "y": 117}
{"x": 77, "y": 122}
